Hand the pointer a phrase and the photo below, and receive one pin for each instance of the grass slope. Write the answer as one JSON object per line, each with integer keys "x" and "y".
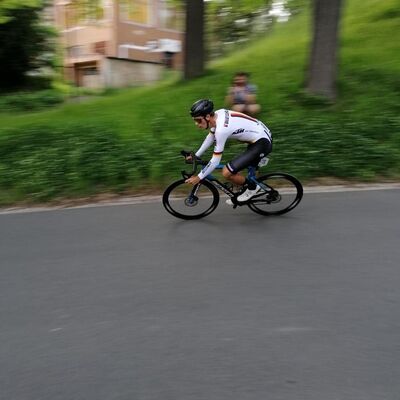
{"x": 357, "y": 137}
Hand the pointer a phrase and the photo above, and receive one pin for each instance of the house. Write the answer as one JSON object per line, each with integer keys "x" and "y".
{"x": 117, "y": 43}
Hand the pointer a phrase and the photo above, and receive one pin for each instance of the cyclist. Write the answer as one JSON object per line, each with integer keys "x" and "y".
{"x": 227, "y": 124}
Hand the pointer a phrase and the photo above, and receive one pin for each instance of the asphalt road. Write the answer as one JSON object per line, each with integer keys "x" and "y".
{"x": 129, "y": 303}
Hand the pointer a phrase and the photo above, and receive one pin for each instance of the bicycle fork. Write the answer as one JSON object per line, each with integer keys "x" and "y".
{"x": 192, "y": 199}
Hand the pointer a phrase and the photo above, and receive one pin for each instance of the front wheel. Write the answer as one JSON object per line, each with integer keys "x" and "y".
{"x": 190, "y": 202}
{"x": 284, "y": 193}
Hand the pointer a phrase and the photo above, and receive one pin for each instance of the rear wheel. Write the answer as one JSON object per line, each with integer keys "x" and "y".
{"x": 190, "y": 202}
{"x": 284, "y": 194}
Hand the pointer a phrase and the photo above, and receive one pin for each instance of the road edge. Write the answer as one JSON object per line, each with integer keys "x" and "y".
{"x": 133, "y": 200}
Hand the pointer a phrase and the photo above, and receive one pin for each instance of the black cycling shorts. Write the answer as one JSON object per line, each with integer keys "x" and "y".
{"x": 251, "y": 157}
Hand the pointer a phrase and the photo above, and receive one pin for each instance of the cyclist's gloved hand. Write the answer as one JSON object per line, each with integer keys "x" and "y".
{"x": 188, "y": 156}
{"x": 193, "y": 180}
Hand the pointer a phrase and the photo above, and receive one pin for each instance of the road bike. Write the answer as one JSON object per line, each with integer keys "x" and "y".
{"x": 280, "y": 192}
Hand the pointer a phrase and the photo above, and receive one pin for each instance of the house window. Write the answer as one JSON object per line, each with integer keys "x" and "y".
{"x": 81, "y": 11}
{"x": 75, "y": 51}
{"x": 135, "y": 11}
{"x": 170, "y": 16}
{"x": 71, "y": 15}
{"x": 90, "y": 71}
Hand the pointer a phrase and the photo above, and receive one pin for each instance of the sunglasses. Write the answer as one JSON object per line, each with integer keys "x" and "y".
{"x": 198, "y": 120}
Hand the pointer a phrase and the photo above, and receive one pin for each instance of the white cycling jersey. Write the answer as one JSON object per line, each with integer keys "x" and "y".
{"x": 230, "y": 125}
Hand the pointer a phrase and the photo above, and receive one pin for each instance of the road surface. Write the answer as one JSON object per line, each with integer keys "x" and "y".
{"x": 129, "y": 303}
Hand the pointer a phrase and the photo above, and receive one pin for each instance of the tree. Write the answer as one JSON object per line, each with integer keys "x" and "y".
{"x": 195, "y": 27}
{"x": 24, "y": 42}
{"x": 230, "y": 22}
{"x": 323, "y": 61}
{"x": 194, "y": 40}
{"x": 8, "y": 5}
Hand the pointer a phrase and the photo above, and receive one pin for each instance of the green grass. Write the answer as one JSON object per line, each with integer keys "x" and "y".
{"x": 355, "y": 138}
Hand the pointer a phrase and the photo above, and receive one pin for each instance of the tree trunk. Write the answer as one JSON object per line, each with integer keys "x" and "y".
{"x": 194, "y": 39}
{"x": 323, "y": 62}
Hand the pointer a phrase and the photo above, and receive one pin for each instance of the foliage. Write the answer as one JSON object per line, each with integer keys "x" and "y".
{"x": 344, "y": 148}
{"x": 19, "y": 56}
{"x": 25, "y": 101}
{"x": 6, "y": 6}
{"x": 42, "y": 162}
{"x": 228, "y": 22}
{"x": 296, "y": 6}
{"x": 231, "y": 22}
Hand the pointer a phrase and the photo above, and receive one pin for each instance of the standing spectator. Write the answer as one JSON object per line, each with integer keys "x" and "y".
{"x": 242, "y": 95}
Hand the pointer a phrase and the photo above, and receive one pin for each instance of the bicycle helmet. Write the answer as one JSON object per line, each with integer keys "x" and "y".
{"x": 201, "y": 108}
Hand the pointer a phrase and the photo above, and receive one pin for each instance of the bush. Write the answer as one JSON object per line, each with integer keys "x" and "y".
{"x": 30, "y": 101}
{"x": 40, "y": 163}
{"x": 337, "y": 146}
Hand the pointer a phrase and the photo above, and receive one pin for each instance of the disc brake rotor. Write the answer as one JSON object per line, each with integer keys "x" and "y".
{"x": 191, "y": 201}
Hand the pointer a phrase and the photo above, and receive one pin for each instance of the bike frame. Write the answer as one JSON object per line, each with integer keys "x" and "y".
{"x": 251, "y": 175}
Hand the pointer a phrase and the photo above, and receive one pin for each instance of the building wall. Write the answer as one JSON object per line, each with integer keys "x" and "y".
{"x": 121, "y": 73}
{"x": 150, "y": 43}
{"x": 84, "y": 35}
{"x": 87, "y": 44}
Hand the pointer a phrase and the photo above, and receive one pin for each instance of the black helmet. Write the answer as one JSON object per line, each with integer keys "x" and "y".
{"x": 201, "y": 108}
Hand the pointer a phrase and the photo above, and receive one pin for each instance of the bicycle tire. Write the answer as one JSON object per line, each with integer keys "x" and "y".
{"x": 176, "y": 195}
{"x": 286, "y": 194}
